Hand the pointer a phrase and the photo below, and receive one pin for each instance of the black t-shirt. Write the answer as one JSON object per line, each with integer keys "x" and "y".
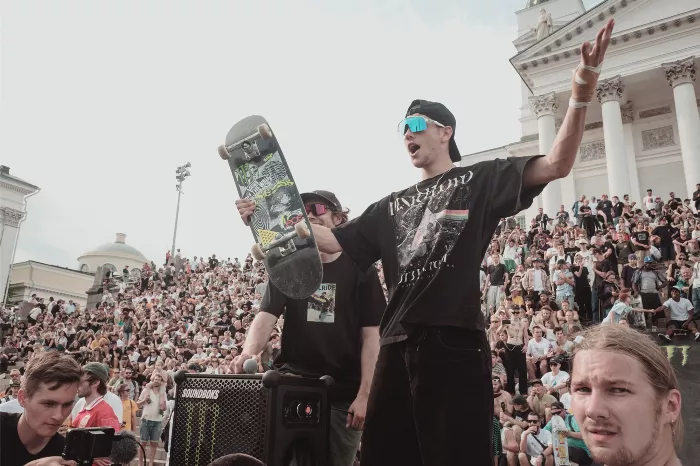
{"x": 432, "y": 238}
{"x": 322, "y": 334}
{"x": 521, "y": 416}
{"x": 580, "y": 282}
{"x": 608, "y": 246}
{"x": 618, "y": 208}
{"x": 663, "y": 232}
{"x": 13, "y": 452}
{"x": 497, "y": 274}
{"x": 642, "y": 237}
{"x": 606, "y": 207}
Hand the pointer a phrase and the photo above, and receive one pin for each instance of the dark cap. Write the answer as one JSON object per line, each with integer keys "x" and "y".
{"x": 326, "y": 196}
{"x": 558, "y": 405}
{"x": 536, "y": 382}
{"x": 441, "y": 114}
{"x": 98, "y": 370}
{"x": 519, "y": 400}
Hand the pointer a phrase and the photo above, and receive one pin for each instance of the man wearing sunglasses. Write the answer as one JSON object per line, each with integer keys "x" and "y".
{"x": 334, "y": 332}
{"x": 431, "y": 386}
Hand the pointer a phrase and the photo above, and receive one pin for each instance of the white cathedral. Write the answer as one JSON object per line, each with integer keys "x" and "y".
{"x": 643, "y": 132}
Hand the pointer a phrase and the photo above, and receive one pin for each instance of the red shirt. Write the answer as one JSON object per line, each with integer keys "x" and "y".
{"x": 98, "y": 414}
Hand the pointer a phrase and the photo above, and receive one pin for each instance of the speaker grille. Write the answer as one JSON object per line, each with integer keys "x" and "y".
{"x": 216, "y": 416}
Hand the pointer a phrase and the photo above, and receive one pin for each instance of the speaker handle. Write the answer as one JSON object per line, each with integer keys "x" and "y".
{"x": 271, "y": 379}
{"x": 179, "y": 376}
{"x": 328, "y": 380}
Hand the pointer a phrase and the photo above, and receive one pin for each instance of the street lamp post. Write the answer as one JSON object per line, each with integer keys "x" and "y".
{"x": 180, "y": 174}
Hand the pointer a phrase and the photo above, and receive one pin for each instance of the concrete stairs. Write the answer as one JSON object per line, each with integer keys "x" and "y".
{"x": 161, "y": 454}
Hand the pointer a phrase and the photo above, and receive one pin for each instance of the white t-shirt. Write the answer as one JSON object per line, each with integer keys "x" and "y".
{"x": 618, "y": 312}
{"x": 534, "y": 449}
{"x": 11, "y": 406}
{"x": 679, "y": 310}
{"x": 550, "y": 380}
{"x": 538, "y": 280}
{"x": 568, "y": 345}
{"x": 566, "y": 401}
{"x": 649, "y": 202}
{"x": 538, "y": 349}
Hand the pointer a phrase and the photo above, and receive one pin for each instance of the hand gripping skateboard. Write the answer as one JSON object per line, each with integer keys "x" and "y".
{"x": 284, "y": 240}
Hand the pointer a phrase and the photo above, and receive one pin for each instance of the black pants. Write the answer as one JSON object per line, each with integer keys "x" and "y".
{"x": 431, "y": 401}
{"x": 515, "y": 359}
{"x": 667, "y": 252}
{"x": 583, "y": 300}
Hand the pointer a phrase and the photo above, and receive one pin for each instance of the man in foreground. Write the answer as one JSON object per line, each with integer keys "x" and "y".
{"x": 625, "y": 398}
{"x": 47, "y": 395}
{"x": 431, "y": 238}
{"x": 341, "y": 339}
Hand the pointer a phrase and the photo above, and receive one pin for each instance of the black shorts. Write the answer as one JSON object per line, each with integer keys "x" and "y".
{"x": 676, "y": 323}
{"x": 650, "y": 300}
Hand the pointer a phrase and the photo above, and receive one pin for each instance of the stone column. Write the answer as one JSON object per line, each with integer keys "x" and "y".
{"x": 609, "y": 93}
{"x": 9, "y": 227}
{"x": 680, "y": 76}
{"x": 627, "y": 121}
{"x": 544, "y": 107}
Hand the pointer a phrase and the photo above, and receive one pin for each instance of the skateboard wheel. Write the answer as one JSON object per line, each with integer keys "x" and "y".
{"x": 223, "y": 153}
{"x": 264, "y": 131}
{"x": 302, "y": 230}
{"x": 257, "y": 252}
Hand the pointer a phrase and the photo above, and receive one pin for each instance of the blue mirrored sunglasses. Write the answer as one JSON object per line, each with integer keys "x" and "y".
{"x": 416, "y": 124}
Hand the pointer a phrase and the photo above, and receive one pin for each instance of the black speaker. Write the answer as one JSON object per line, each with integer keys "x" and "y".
{"x": 271, "y": 417}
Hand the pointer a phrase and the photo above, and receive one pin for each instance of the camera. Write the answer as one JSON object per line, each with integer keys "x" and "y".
{"x": 83, "y": 445}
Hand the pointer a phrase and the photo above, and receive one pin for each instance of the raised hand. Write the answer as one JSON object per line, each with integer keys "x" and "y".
{"x": 587, "y": 72}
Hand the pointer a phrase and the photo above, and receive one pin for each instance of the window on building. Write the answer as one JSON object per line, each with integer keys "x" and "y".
{"x": 110, "y": 267}
{"x": 135, "y": 272}
{"x": 521, "y": 221}
{"x": 84, "y": 268}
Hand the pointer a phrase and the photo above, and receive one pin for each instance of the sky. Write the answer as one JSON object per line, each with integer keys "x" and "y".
{"x": 102, "y": 101}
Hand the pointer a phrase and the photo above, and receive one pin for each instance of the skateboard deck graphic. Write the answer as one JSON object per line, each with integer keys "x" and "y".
{"x": 560, "y": 442}
{"x": 281, "y": 229}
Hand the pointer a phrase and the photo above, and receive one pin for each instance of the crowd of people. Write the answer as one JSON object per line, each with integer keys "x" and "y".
{"x": 608, "y": 261}
{"x": 192, "y": 317}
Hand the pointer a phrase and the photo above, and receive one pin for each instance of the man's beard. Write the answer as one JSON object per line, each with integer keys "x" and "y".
{"x": 623, "y": 457}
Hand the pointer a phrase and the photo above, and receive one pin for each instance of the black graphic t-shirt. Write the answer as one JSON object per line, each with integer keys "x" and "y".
{"x": 432, "y": 238}
{"x": 642, "y": 237}
{"x": 322, "y": 334}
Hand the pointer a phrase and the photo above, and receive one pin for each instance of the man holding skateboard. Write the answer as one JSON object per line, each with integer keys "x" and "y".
{"x": 431, "y": 391}
{"x": 333, "y": 332}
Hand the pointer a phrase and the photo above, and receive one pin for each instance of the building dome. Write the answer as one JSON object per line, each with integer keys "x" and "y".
{"x": 119, "y": 247}
{"x": 114, "y": 256}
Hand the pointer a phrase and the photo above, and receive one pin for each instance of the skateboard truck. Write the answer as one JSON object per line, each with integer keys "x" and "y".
{"x": 285, "y": 242}
{"x": 248, "y": 145}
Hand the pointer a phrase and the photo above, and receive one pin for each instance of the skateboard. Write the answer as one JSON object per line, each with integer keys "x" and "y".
{"x": 560, "y": 442}
{"x": 284, "y": 240}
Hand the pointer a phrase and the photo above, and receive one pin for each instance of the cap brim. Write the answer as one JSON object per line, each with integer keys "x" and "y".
{"x": 454, "y": 152}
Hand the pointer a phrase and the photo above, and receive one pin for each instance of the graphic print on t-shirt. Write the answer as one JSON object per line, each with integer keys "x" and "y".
{"x": 427, "y": 225}
{"x": 321, "y": 306}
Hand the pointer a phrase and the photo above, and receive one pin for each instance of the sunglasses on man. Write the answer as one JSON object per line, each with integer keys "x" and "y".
{"x": 316, "y": 209}
{"x": 416, "y": 124}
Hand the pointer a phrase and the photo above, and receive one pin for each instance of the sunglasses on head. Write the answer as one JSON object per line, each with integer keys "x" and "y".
{"x": 416, "y": 124}
{"x": 316, "y": 209}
